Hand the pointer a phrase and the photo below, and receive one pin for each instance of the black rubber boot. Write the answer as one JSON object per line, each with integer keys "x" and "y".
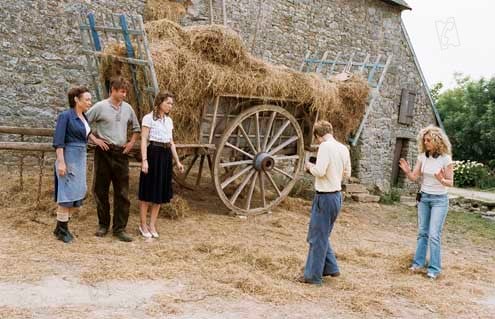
{"x": 65, "y": 226}
{"x": 57, "y": 229}
{"x": 63, "y": 233}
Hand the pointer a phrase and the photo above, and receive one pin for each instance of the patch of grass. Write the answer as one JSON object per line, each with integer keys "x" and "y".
{"x": 393, "y": 196}
{"x": 471, "y": 225}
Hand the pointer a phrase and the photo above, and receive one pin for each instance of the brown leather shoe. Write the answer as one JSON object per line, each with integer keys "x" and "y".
{"x": 303, "y": 280}
{"x": 101, "y": 232}
{"x": 123, "y": 236}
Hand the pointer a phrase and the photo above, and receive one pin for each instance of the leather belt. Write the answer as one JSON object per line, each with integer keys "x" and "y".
{"x": 164, "y": 145}
{"x": 325, "y": 193}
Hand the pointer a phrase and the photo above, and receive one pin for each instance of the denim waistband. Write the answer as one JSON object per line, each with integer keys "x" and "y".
{"x": 75, "y": 144}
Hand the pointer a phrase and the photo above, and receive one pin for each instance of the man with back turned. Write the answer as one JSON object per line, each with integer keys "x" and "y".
{"x": 332, "y": 165}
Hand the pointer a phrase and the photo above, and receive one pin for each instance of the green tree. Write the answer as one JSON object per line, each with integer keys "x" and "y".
{"x": 468, "y": 113}
{"x": 435, "y": 91}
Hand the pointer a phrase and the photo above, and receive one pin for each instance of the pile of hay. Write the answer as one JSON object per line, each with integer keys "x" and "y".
{"x": 197, "y": 63}
{"x": 165, "y": 9}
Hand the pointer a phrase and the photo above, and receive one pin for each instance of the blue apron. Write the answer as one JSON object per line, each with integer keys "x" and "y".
{"x": 72, "y": 186}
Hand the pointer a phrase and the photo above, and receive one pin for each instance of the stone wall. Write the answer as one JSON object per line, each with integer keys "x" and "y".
{"x": 40, "y": 57}
{"x": 281, "y": 31}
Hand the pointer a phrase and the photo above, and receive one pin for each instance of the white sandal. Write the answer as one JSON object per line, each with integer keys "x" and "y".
{"x": 144, "y": 232}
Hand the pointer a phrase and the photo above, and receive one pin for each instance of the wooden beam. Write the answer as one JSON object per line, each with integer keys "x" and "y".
{"x": 27, "y": 131}
{"x": 27, "y": 146}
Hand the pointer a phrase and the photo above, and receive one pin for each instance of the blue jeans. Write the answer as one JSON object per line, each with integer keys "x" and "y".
{"x": 432, "y": 211}
{"x": 321, "y": 258}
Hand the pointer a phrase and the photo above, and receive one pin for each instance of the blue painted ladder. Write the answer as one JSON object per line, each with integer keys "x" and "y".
{"x": 98, "y": 31}
{"x": 373, "y": 71}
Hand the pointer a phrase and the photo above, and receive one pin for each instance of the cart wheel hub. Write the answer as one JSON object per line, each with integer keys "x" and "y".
{"x": 264, "y": 162}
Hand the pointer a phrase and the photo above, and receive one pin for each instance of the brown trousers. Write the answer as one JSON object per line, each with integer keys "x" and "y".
{"x": 111, "y": 167}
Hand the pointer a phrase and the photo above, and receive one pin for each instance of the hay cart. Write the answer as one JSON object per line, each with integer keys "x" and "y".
{"x": 250, "y": 149}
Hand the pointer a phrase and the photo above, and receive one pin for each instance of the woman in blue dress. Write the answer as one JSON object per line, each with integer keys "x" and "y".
{"x": 70, "y": 141}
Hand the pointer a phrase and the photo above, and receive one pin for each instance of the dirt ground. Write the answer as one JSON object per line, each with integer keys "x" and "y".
{"x": 207, "y": 264}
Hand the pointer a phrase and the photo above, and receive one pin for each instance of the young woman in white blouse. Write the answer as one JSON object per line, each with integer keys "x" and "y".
{"x": 157, "y": 150}
{"x": 434, "y": 164}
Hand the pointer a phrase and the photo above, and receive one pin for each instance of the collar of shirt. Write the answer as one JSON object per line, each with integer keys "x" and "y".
{"x": 115, "y": 107}
{"x": 73, "y": 114}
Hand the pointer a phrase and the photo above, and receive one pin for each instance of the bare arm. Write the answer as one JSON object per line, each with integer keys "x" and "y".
{"x": 176, "y": 157}
{"x": 98, "y": 141}
{"x": 446, "y": 176}
{"x": 144, "y": 144}
{"x": 411, "y": 175}
{"x": 61, "y": 167}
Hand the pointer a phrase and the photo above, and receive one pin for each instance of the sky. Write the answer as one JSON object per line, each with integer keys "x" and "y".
{"x": 452, "y": 36}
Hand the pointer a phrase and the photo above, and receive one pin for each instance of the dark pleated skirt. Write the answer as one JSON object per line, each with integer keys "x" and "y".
{"x": 156, "y": 186}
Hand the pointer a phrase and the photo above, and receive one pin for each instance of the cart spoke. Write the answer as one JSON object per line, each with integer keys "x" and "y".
{"x": 246, "y": 136}
{"x": 258, "y": 141}
{"x": 270, "y": 178}
{"x": 262, "y": 188}
{"x": 268, "y": 130}
{"x": 241, "y": 187}
{"x": 284, "y": 144}
{"x": 283, "y": 158}
{"x": 233, "y": 178}
{"x": 277, "y": 135}
{"x": 239, "y": 150}
{"x": 236, "y": 163}
{"x": 283, "y": 173}
{"x": 251, "y": 190}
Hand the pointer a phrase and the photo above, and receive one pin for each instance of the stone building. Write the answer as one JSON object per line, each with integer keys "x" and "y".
{"x": 40, "y": 58}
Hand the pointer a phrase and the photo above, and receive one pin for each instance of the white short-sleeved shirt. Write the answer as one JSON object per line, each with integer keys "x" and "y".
{"x": 160, "y": 130}
{"x": 430, "y": 166}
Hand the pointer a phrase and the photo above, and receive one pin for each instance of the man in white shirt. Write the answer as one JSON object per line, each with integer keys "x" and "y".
{"x": 333, "y": 163}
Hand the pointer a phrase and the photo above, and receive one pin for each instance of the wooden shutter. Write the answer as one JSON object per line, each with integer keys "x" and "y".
{"x": 406, "y": 108}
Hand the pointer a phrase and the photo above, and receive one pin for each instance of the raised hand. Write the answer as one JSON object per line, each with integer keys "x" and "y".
{"x": 404, "y": 165}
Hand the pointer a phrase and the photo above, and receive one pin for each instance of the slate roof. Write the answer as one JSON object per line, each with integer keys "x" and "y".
{"x": 400, "y": 3}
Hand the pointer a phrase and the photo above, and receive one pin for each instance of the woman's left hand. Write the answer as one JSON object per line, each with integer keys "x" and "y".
{"x": 180, "y": 167}
{"x": 440, "y": 175}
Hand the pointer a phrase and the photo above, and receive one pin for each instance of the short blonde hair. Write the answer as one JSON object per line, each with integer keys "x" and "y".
{"x": 321, "y": 128}
{"x": 439, "y": 140}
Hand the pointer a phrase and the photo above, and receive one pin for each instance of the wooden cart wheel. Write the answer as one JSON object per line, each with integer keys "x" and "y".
{"x": 198, "y": 168}
{"x": 258, "y": 159}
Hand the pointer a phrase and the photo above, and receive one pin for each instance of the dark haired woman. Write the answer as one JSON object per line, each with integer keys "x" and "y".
{"x": 70, "y": 141}
{"x": 157, "y": 149}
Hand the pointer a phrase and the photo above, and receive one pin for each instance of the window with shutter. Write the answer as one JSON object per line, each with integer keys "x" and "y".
{"x": 406, "y": 108}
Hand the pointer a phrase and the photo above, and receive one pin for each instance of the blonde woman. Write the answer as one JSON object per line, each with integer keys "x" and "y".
{"x": 435, "y": 166}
